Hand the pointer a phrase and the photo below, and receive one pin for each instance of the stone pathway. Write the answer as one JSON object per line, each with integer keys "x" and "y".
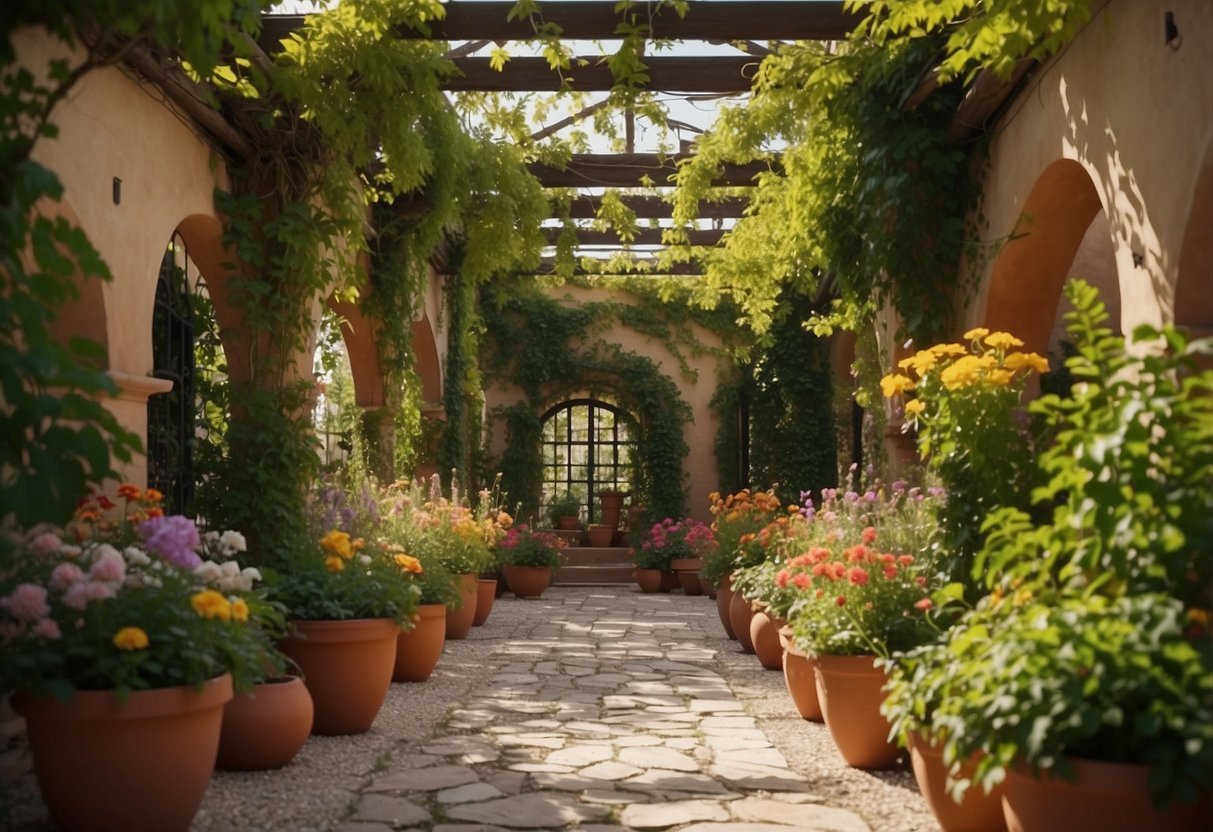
{"x": 604, "y": 712}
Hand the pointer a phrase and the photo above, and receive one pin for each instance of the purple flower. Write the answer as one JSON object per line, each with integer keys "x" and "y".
{"x": 173, "y": 539}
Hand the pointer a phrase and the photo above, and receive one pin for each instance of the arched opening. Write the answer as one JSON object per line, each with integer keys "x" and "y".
{"x": 1194, "y": 284}
{"x": 586, "y": 445}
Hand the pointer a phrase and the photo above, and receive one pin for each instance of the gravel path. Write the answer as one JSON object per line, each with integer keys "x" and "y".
{"x": 596, "y": 708}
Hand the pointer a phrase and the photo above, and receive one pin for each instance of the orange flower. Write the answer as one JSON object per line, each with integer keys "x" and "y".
{"x": 130, "y": 492}
{"x": 130, "y": 638}
{"x": 409, "y": 563}
{"x": 152, "y": 495}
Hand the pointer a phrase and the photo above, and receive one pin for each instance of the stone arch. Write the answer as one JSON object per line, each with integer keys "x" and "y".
{"x": 85, "y": 315}
{"x": 428, "y": 361}
{"x": 360, "y": 335}
{"x": 1194, "y": 283}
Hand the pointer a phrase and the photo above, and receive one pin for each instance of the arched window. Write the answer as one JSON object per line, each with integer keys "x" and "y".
{"x": 170, "y": 416}
{"x": 587, "y": 446}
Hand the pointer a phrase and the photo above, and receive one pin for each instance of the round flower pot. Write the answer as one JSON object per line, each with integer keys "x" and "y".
{"x": 1101, "y": 796}
{"x": 649, "y": 580}
{"x": 739, "y": 616}
{"x": 569, "y": 523}
{"x": 849, "y": 689}
{"x": 612, "y": 508}
{"x": 689, "y": 581}
{"x": 142, "y": 764}
{"x": 527, "y": 581}
{"x": 800, "y": 679}
{"x": 418, "y": 649}
{"x": 347, "y": 667}
{"x": 764, "y": 635}
{"x": 486, "y": 593}
{"x": 266, "y": 727}
{"x": 459, "y": 620}
{"x": 976, "y": 812}
{"x": 707, "y": 587}
{"x": 599, "y": 535}
{"x": 724, "y": 600}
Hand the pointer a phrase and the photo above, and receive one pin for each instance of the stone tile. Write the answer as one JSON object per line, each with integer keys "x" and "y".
{"x": 736, "y": 743}
{"x": 359, "y": 826}
{"x": 394, "y": 811}
{"x": 663, "y": 758}
{"x": 424, "y": 779}
{"x": 676, "y": 813}
{"x": 637, "y": 741}
{"x": 470, "y": 793}
{"x": 715, "y": 706}
{"x": 543, "y": 768}
{"x": 673, "y": 781}
{"x": 610, "y": 771}
{"x": 755, "y": 756}
{"x": 751, "y": 776}
{"x": 579, "y": 756}
{"x": 805, "y": 816}
{"x": 563, "y": 782}
{"x": 613, "y": 797}
{"x": 530, "y": 741}
{"x": 467, "y": 827}
{"x": 727, "y": 722}
{"x": 534, "y": 810}
{"x": 509, "y": 782}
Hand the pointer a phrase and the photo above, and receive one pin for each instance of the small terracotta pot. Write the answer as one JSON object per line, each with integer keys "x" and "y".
{"x": 570, "y": 523}
{"x": 527, "y": 581}
{"x": 724, "y": 600}
{"x": 459, "y": 620}
{"x": 739, "y": 616}
{"x": 266, "y": 727}
{"x": 419, "y": 649}
{"x": 649, "y": 580}
{"x": 1101, "y": 797}
{"x": 109, "y": 766}
{"x": 977, "y": 810}
{"x": 800, "y": 679}
{"x": 486, "y": 593}
{"x": 764, "y": 635}
{"x": 849, "y": 689}
{"x": 689, "y": 581}
{"x": 599, "y": 536}
{"x": 347, "y": 667}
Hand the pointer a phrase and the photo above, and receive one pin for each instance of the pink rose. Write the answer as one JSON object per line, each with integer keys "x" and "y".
{"x": 78, "y": 596}
{"x": 108, "y": 565}
{"x": 45, "y": 543}
{"x": 27, "y": 603}
{"x": 66, "y": 575}
{"x": 48, "y": 629}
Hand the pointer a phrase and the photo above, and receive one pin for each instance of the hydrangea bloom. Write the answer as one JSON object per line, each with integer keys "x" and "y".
{"x": 173, "y": 538}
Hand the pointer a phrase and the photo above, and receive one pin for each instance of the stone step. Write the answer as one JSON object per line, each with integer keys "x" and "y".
{"x": 616, "y": 573}
{"x": 589, "y": 556}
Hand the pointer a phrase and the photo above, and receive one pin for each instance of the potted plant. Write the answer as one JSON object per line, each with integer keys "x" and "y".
{"x": 736, "y": 521}
{"x": 528, "y": 558}
{"x": 1090, "y": 655}
{"x": 120, "y": 651}
{"x": 419, "y": 648}
{"x": 564, "y": 511}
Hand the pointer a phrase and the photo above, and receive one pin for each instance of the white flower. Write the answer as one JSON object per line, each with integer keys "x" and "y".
{"x": 210, "y": 537}
{"x": 136, "y": 556}
{"x": 232, "y": 542}
{"x": 230, "y": 569}
{"x": 208, "y": 571}
{"x": 251, "y": 574}
{"x": 365, "y": 560}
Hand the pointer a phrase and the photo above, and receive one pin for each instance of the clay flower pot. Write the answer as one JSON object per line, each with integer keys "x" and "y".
{"x": 109, "y": 766}
{"x": 724, "y": 600}
{"x": 707, "y": 587}
{"x": 527, "y": 581}
{"x": 418, "y": 649}
{"x": 486, "y": 593}
{"x": 649, "y": 580}
{"x": 764, "y": 635}
{"x": 459, "y": 620}
{"x": 266, "y": 727}
{"x": 599, "y": 535}
{"x": 569, "y": 523}
{"x": 739, "y": 617}
{"x": 347, "y": 667}
{"x": 849, "y": 689}
{"x": 689, "y": 581}
{"x": 976, "y": 812}
{"x": 799, "y": 678}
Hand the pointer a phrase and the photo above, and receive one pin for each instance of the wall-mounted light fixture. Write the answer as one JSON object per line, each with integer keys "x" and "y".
{"x": 1139, "y": 259}
{"x": 1174, "y": 38}
{"x": 117, "y": 190}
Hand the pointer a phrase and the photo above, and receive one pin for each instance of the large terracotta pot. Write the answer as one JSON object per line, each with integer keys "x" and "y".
{"x": 849, "y": 690}
{"x": 527, "y": 581}
{"x": 459, "y": 620}
{"x": 739, "y": 616}
{"x": 486, "y": 593}
{"x": 418, "y": 649}
{"x": 612, "y": 507}
{"x": 800, "y": 679}
{"x": 347, "y": 667}
{"x": 687, "y": 570}
{"x": 266, "y": 727}
{"x": 977, "y": 810}
{"x": 724, "y": 600}
{"x": 764, "y": 635}
{"x": 142, "y": 764}
{"x": 599, "y": 535}
{"x": 1102, "y": 796}
{"x": 649, "y": 580}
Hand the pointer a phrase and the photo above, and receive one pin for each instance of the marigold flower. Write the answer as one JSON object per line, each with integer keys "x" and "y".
{"x": 334, "y": 563}
{"x": 976, "y": 333}
{"x": 212, "y": 604}
{"x": 1020, "y": 360}
{"x": 946, "y": 350}
{"x": 1002, "y": 340}
{"x": 240, "y": 610}
{"x": 914, "y": 408}
{"x": 781, "y": 579}
{"x": 408, "y": 563}
{"x": 152, "y": 496}
{"x": 999, "y": 377}
{"x": 131, "y": 638}
{"x": 920, "y": 362}
{"x": 130, "y": 492}
{"x": 337, "y": 543}
{"x": 895, "y": 383}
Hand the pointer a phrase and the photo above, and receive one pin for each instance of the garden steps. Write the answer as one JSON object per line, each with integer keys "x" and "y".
{"x": 595, "y": 565}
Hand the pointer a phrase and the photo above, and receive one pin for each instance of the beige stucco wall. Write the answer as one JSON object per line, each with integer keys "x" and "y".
{"x": 699, "y": 467}
{"x": 1137, "y": 115}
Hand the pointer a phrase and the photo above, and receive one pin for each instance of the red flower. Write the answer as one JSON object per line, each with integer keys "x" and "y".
{"x": 869, "y": 535}
{"x": 857, "y": 576}
{"x": 905, "y": 560}
{"x": 924, "y": 604}
{"x": 802, "y": 581}
{"x": 841, "y": 601}
{"x": 781, "y": 580}
{"x": 890, "y": 572}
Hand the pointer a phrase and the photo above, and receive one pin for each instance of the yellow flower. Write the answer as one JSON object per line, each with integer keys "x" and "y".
{"x": 895, "y": 383}
{"x": 1002, "y": 340}
{"x": 130, "y": 638}
{"x": 944, "y": 350}
{"x": 915, "y": 407}
{"x": 920, "y": 362}
{"x": 1019, "y": 360}
{"x": 357, "y": 544}
{"x": 334, "y": 563}
{"x": 211, "y": 604}
{"x": 963, "y": 372}
{"x": 239, "y": 610}
{"x": 337, "y": 543}
{"x": 999, "y": 378}
{"x": 975, "y": 333}
{"x": 409, "y": 564}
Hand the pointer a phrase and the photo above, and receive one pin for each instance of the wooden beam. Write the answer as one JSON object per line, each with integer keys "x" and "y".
{"x": 548, "y": 266}
{"x": 734, "y": 20}
{"x": 643, "y": 237}
{"x": 586, "y": 206}
{"x": 627, "y": 170}
{"x": 983, "y": 100}
{"x": 726, "y": 74}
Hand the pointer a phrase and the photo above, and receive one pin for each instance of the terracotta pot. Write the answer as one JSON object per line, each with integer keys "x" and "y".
{"x": 265, "y": 728}
{"x": 347, "y": 667}
{"x": 486, "y": 593}
{"x": 612, "y": 507}
{"x": 764, "y": 635}
{"x": 418, "y": 649}
{"x": 724, "y": 600}
{"x": 569, "y": 523}
{"x": 708, "y": 589}
{"x": 849, "y": 690}
{"x": 527, "y": 581}
{"x": 669, "y": 581}
{"x": 143, "y": 764}
{"x": 739, "y": 616}
{"x": 976, "y": 812}
{"x": 687, "y": 565}
{"x": 599, "y": 535}
{"x": 689, "y": 581}
{"x": 459, "y": 620}
{"x": 649, "y": 580}
{"x": 800, "y": 679}
{"x": 1102, "y": 796}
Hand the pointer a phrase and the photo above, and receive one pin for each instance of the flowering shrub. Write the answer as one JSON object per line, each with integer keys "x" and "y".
{"x": 524, "y": 546}
{"x": 133, "y": 602}
{"x": 973, "y": 432}
{"x": 458, "y": 533}
{"x": 736, "y": 522}
{"x": 670, "y": 539}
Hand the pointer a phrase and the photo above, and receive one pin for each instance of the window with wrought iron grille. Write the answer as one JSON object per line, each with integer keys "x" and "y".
{"x": 587, "y": 446}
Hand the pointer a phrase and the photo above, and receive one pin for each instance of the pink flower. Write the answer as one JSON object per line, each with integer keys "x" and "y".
{"x": 45, "y": 543}
{"x": 801, "y": 580}
{"x": 65, "y": 575}
{"x": 78, "y": 596}
{"x": 869, "y": 535}
{"x": 27, "y": 602}
{"x": 48, "y": 629}
{"x": 923, "y": 604}
{"x": 108, "y": 565}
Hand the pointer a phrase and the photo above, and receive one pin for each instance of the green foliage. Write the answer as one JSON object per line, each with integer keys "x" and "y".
{"x": 564, "y": 504}
{"x": 462, "y": 393}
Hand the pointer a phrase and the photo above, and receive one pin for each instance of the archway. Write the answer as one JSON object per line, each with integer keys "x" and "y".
{"x": 1194, "y": 283}
{"x": 586, "y": 445}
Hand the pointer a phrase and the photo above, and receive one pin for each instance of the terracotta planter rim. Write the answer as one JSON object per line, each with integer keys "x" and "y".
{"x": 153, "y": 702}
{"x": 325, "y": 630}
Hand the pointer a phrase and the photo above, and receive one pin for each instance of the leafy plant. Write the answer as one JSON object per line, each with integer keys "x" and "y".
{"x": 564, "y": 504}
{"x": 736, "y": 522}
{"x": 524, "y": 546}
{"x": 670, "y": 539}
